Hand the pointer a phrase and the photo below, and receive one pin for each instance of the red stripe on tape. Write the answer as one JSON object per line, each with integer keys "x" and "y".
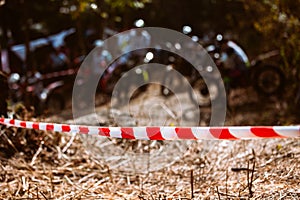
{"x": 23, "y": 124}
{"x": 266, "y": 132}
{"x": 49, "y": 127}
{"x": 154, "y": 133}
{"x": 36, "y": 126}
{"x": 83, "y": 129}
{"x": 104, "y": 132}
{"x": 12, "y": 121}
{"x": 65, "y": 128}
{"x": 185, "y": 133}
{"x": 222, "y": 133}
{"x": 127, "y": 133}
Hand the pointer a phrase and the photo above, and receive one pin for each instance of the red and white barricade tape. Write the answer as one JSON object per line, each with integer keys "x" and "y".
{"x": 166, "y": 132}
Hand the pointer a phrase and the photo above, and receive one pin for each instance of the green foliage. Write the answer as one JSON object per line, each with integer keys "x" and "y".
{"x": 122, "y": 4}
{"x": 279, "y": 23}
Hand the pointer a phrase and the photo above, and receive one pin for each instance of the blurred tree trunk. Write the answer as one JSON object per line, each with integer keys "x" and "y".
{"x": 27, "y": 62}
{"x": 101, "y": 5}
{"x": 80, "y": 36}
{"x": 76, "y": 15}
{"x": 4, "y": 42}
{"x": 1, "y": 67}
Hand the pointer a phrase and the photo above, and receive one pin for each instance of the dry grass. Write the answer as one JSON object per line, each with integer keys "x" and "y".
{"x": 260, "y": 169}
{"x": 49, "y": 165}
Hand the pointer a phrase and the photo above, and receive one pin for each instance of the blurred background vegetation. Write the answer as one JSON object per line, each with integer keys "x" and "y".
{"x": 258, "y": 25}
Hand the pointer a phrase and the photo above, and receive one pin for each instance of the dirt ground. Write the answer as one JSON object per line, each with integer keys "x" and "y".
{"x": 49, "y": 165}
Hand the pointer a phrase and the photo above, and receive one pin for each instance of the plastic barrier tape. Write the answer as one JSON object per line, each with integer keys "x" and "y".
{"x": 165, "y": 133}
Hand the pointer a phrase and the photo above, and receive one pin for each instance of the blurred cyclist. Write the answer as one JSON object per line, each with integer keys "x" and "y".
{"x": 233, "y": 59}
